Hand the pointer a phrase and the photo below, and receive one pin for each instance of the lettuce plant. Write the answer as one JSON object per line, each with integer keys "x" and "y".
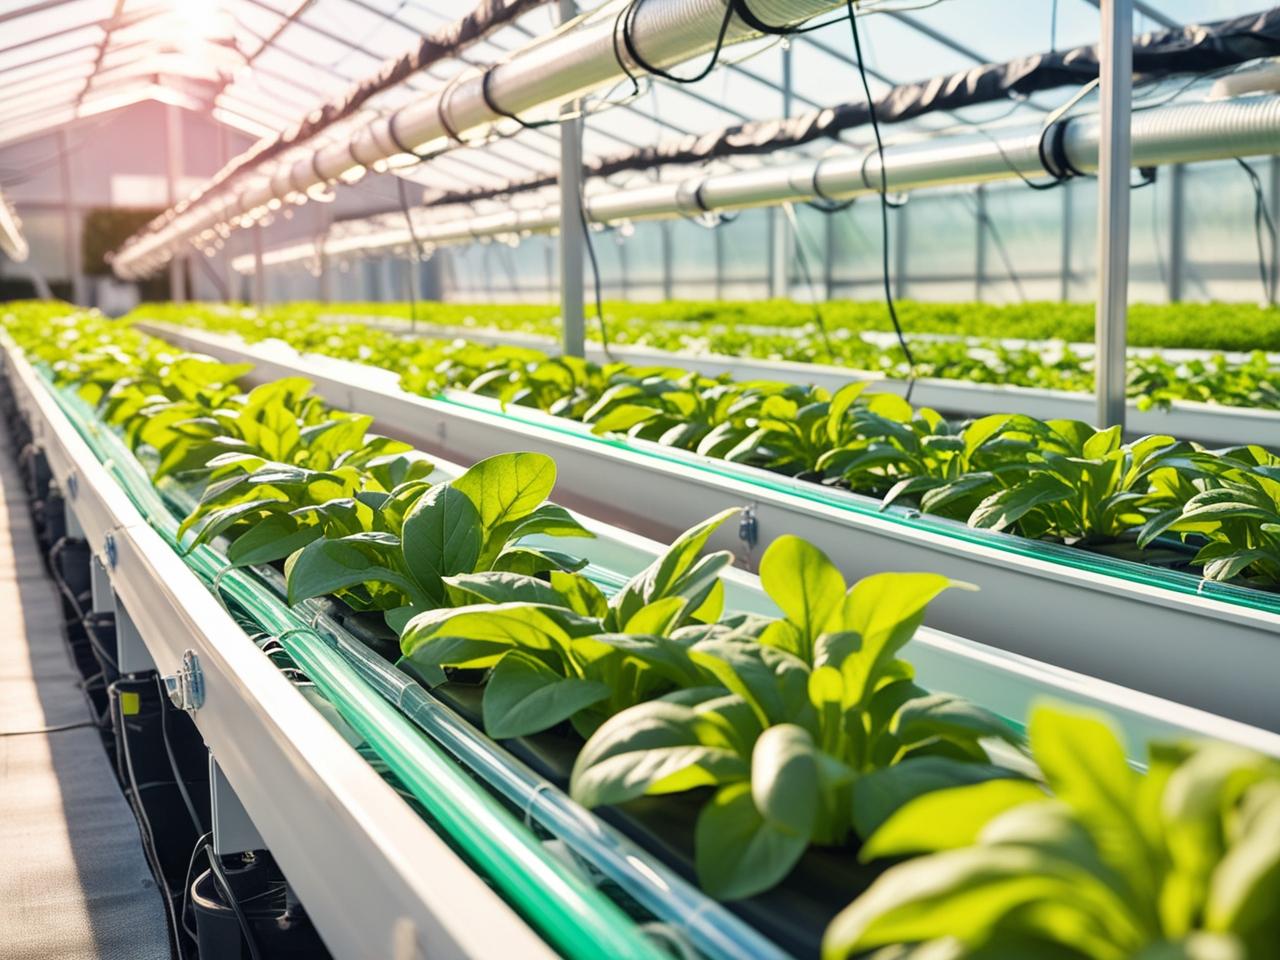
{"x": 469, "y": 525}
{"x": 819, "y": 730}
{"x": 1182, "y": 861}
{"x": 560, "y": 650}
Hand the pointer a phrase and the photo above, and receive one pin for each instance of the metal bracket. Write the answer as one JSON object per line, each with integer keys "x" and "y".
{"x": 109, "y": 548}
{"x": 749, "y": 527}
{"x": 186, "y": 687}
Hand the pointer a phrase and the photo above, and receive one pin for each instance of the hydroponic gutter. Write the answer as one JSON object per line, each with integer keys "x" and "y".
{"x": 1209, "y": 423}
{"x": 1206, "y": 645}
{"x": 372, "y": 873}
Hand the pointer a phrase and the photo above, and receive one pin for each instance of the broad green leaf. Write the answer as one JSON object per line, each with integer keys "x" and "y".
{"x": 441, "y": 537}
{"x": 886, "y": 609}
{"x": 500, "y": 587}
{"x": 520, "y": 625}
{"x": 946, "y": 715}
{"x": 525, "y": 696}
{"x": 326, "y": 566}
{"x": 581, "y": 595}
{"x": 1002, "y": 509}
{"x": 805, "y": 585}
{"x": 785, "y": 783}
{"x": 650, "y": 748}
{"x": 508, "y": 486}
{"x": 272, "y": 538}
{"x": 921, "y": 809}
{"x": 738, "y": 852}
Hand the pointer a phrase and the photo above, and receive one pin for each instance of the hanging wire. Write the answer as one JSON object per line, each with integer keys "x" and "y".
{"x": 884, "y": 204}
{"x": 413, "y": 259}
{"x": 803, "y": 259}
{"x": 1261, "y": 220}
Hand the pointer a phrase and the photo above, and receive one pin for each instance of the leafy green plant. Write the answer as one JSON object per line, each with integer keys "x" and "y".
{"x": 1182, "y": 861}
{"x": 560, "y": 650}
{"x": 468, "y": 525}
{"x": 821, "y": 732}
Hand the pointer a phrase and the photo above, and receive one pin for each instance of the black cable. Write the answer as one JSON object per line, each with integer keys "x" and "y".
{"x": 413, "y": 238}
{"x": 884, "y": 203}
{"x": 56, "y": 728}
{"x": 625, "y": 22}
{"x": 595, "y": 268}
{"x": 187, "y": 882}
{"x": 178, "y": 779}
{"x": 803, "y": 259}
{"x": 224, "y": 887}
{"x": 1261, "y": 216}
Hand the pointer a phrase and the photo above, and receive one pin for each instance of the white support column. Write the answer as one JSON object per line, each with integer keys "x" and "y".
{"x": 259, "y": 277}
{"x": 572, "y": 229}
{"x": 173, "y": 167}
{"x": 782, "y": 238}
{"x": 1116, "y": 94}
{"x": 71, "y": 222}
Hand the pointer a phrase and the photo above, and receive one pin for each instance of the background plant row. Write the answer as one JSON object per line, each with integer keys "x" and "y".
{"x": 779, "y": 330}
{"x": 1057, "y": 480}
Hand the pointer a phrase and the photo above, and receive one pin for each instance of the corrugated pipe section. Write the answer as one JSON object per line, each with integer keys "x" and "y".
{"x": 1183, "y": 133}
{"x": 547, "y": 72}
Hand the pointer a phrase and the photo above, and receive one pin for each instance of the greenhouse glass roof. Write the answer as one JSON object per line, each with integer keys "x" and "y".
{"x": 260, "y": 66}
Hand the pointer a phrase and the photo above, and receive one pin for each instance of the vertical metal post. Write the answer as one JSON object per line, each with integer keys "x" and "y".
{"x": 70, "y": 221}
{"x": 781, "y": 236}
{"x": 980, "y": 253}
{"x": 1065, "y": 265}
{"x": 1275, "y": 217}
{"x": 668, "y": 278}
{"x": 901, "y": 247}
{"x": 572, "y": 228}
{"x": 1114, "y": 155}
{"x": 1177, "y": 233}
{"x": 717, "y": 238}
{"x": 829, "y": 256}
{"x": 173, "y": 168}
{"x": 259, "y": 277}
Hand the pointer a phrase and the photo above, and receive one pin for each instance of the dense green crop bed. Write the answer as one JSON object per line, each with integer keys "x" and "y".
{"x": 1239, "y": 327}
{"x": 1059, "y": 480}
{"x": 777, "y": 330}
{"x": 800, "y": 730}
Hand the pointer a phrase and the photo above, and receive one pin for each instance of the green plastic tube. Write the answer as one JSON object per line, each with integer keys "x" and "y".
{"x": 574, "y": 917}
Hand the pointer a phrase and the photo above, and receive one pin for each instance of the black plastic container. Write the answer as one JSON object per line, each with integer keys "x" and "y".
{"x": 277, "y": 922}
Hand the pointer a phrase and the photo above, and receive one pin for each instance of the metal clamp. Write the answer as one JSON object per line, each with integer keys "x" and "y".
{"x": 186, "y": 687}
{"x": 109, "y": 548}
{"x": 749, "y": 527}
{"x": 73, "y": 485}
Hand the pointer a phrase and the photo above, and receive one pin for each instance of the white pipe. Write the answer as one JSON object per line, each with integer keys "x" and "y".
{"x": 549, "y": 71}
{"x": 1182, "y": 133}
{"x": 1115, "y": 91}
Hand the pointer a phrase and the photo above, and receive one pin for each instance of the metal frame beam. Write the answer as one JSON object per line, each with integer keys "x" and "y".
{"x": 1115, "y": 91}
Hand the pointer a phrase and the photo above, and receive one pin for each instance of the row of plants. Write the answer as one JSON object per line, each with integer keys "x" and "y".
{"x": 1231, "y": 327}
{"x": 1155, "y": 499}
{"x": 793, "y": 732}
{"x": 1153, "y": 380}
{"x": 799, "y": 731}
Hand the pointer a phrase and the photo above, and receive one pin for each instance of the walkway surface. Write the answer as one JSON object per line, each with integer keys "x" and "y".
{"x": 74, "y": 882}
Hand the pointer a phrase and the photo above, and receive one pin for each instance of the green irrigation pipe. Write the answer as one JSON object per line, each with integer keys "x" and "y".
{"x": 577, "y": 919}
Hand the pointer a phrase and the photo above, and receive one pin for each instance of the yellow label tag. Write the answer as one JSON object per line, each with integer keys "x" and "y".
{"x": 130, "y": 703}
